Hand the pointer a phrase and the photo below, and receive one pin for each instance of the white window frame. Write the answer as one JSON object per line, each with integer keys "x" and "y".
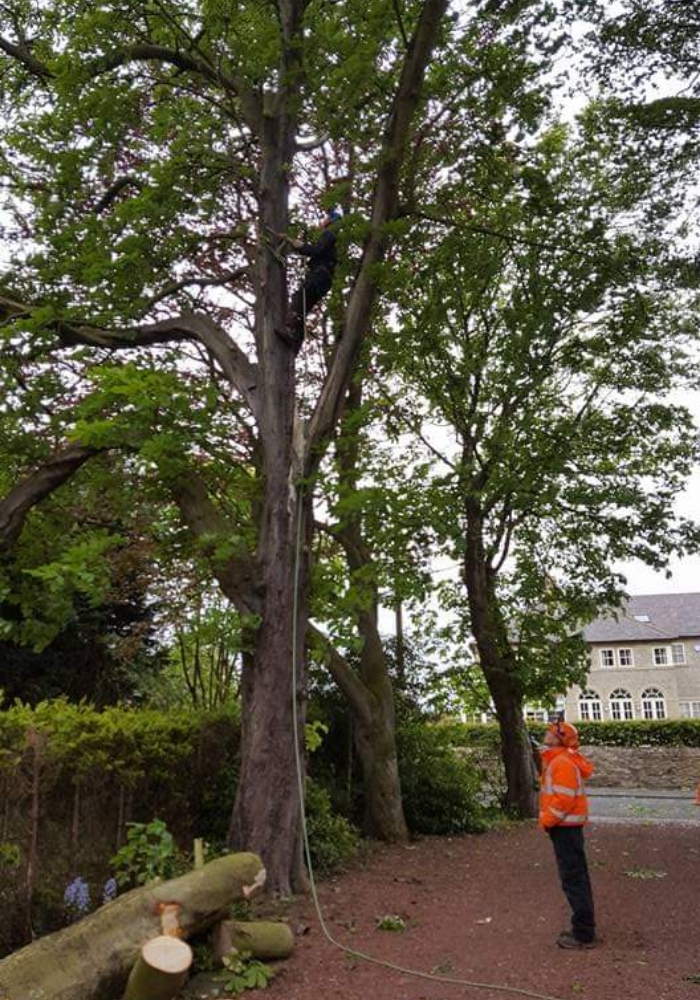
{"x": 663, "y": 650}
{"x": 653, "y": 704}
{"x": 603, "y": 653}
{"x": 621, "y": 705}
{"x": 689, "y": 709}
{"x": 674, "y": 647}
{"x": 593, "y": 707}
{"x": 625, "y": 649}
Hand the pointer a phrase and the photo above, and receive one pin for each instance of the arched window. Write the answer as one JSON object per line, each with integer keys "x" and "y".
{"x": 653, "y": 704}
{"x": 621, "y": 705}
{"x": 589, "y": 707}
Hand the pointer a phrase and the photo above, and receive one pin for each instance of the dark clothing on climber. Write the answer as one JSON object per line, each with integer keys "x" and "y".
{"x": 317, "y": 283}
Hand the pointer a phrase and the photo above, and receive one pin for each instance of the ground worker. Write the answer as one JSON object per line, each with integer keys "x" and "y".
{"x": 563, "y": 814}
{"x": 317, "y": 282}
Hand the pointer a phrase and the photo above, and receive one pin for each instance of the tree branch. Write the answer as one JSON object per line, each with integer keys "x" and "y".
{"x": 114, "y": 190}
{"x": 364, "y": 293}
{"x": 250, "y": 102}
{"x": 341, "y": 672}
{"x": 15, "y": 507}
{"x": 23, "y": 54}
{"x": 239, "y": 371}
{"x": 237, "y": 574}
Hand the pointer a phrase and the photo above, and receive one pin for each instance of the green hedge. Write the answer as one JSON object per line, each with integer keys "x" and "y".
{"x": 668, "y": 733}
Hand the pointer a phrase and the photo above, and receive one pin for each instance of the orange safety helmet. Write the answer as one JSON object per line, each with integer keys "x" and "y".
{"x": 567, "y": 734}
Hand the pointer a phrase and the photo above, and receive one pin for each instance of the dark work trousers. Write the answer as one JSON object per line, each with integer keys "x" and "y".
{"x": 573, "y": 873}
{"x": 317, "y": 283}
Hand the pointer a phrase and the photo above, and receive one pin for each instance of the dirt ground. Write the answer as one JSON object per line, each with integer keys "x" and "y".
{"x": 488, "y": 908}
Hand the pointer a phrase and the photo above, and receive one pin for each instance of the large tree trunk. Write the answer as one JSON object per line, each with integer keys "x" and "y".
{"x": 267, "y": 812}
{"x": 91, "y": 959}
{"x": 374, "y": 733}
{"x": 497, "y": 662}
{"x": 373, "y": 716}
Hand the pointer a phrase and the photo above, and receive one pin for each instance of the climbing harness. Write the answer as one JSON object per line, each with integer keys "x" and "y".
{"x": 353, "y": 952}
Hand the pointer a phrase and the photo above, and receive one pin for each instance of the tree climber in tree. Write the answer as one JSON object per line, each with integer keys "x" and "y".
{"x": 317, "y": 282}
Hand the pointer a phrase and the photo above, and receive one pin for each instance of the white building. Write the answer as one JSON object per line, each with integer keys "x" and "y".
{"x": 645, "y": 663}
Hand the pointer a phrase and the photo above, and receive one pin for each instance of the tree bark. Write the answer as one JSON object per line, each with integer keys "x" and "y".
{"x": 497, "y": 662}
{"x": 373, "y": 715}
{"x": 267, "y": 811}
{"x": 35, "y": 487}
{"x": 56, "y": 967}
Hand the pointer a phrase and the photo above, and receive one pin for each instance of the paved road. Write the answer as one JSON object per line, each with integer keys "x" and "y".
{"x": 639, "y": 805}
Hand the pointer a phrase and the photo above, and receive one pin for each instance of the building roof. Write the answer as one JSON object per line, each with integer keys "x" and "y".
{"x": 665, "y": 617}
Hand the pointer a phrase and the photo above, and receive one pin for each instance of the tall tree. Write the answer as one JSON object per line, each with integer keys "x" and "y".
{"x": 553, "y": 336}
{"x": 148, "y": 158}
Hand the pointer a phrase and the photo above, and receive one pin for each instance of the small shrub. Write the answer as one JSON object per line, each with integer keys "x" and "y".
{"x": 149, "y": 854}
{"x": 440, "y": 790}
{"x": 391, "y": 922}
{"x": 333, "y": 841}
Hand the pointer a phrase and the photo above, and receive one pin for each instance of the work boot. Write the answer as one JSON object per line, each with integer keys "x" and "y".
{"x": 567, "y": 940}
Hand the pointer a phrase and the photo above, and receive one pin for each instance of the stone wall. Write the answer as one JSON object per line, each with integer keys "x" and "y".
{"x": 615, "y": 767}
{"x": 644, "y": 767}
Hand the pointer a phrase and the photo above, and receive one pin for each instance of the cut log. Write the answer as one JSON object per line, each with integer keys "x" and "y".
{"x": 160, "y": 970}
{"x": 265, "y": 939}
{"x": 91, "y": 960}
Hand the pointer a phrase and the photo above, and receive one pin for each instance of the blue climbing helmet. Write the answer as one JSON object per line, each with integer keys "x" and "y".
{"x": 334, "y": 214}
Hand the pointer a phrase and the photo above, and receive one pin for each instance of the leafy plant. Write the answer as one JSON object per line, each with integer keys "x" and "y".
{"x": 440, "y": 790}
{"x": 313, "y": 734}
{"x": 332, "y": 839}
{"x": 76, "y": 898}
{"x": 149, "y": 854}
{"x": 391, "y": 922}
{"x": 645, "y": 874}
{"x": 242, "y": 972}
{"x": 10, "y": 856}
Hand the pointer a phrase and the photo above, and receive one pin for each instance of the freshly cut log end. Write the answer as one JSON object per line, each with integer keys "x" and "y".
{"x": 256, "y": 886}
{"x": 160, "y": 970}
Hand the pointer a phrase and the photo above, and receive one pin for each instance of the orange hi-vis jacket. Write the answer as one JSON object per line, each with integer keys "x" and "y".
{"x": 563, "y": 799}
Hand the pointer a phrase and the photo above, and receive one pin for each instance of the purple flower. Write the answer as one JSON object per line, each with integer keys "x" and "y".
{"x": 110, "y": 890}
{"x": 76, "y": 898}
